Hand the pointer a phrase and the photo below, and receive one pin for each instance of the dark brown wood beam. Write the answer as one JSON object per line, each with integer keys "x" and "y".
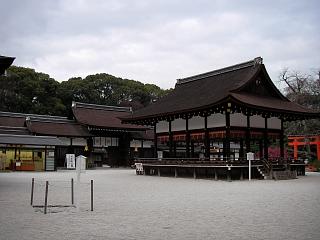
{"x": 227, "y": 139}
{"x": 187, "y": 138}
{"x": 281, "y": 140}
{"x": 248, "y": 148}
{"x": 265, "y": 139}
{"x": 170, "y": 138}
{"x": 155, "y": 141}
{"x": 206, "y": 137}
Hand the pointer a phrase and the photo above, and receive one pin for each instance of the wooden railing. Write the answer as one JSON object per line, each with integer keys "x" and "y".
{"x": 194, "y": 161}
{"x": 268, "y": 164}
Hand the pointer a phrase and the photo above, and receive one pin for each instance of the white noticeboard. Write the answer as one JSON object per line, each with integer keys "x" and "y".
{"x": 160, "y": 155}
{"x": 71, "y": 161}
{"x": 250, "y": 156}
{"x": 81, "y": 163}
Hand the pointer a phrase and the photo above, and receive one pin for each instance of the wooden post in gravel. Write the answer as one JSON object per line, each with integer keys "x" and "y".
{"x": 215, "y": 174}
{"x": 46, "y": 198}
{"x": 91, "y": 195}
{"x": 32, "y": 189}
{"x": 72, "y": 192}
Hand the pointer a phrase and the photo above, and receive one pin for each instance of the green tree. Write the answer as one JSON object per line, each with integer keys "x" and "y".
{"x": 106, "y": 89}
{"x": 27, "y": 91}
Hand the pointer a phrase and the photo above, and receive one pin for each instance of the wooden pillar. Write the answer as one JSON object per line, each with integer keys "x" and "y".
{"x": 215, "y": 174}
{"x": 141, "y": 151}
{"x": 192, "y": 149}
{"x": 241, "y": 152}
{"x": 170, "y": 139}
{"x": 174, "y": 149}
{"x": 318, "y": 147}
{"x": 260, "y": 148}
{"x": 281, "y": 140}
{"x": 226, "y": 149}
{"x": 206, "y": 138}
{"x": 187, "y": 138}
{"x": 45, "y": 158}
{"x": 229, "y": 175}
{"x": 265, "y": 139}
{"x": 155, "y": 141}
{"x": 295, "y": 149}
{"x": 248, "y": 148}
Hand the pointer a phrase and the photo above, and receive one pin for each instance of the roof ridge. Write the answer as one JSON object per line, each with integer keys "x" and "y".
{"x": 251, "y": 63}
{"x": 25, "y": 136}
{"x": 101, "y": 107}
{"x": 10, "y": 127}
{"x": 44, "y": 119}
{"x": 14, "y": 114}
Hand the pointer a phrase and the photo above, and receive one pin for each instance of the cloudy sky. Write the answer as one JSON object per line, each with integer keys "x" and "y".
{"x": 158, "y": 41}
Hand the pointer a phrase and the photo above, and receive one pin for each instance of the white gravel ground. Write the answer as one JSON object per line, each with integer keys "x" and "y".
{"x": 128, "y": 206}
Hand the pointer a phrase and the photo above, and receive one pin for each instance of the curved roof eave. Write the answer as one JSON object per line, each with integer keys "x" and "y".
{"x": 262, "y": 69}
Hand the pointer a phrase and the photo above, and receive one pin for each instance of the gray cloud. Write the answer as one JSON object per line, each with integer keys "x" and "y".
{"x": 158, "y": 41}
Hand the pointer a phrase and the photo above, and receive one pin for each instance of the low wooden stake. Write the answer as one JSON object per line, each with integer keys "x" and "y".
{"x": 32, "y": 189}
{"x": 91, "y": 195}
{"x": 72, "y": 192}
{"x": 46, "y": 198}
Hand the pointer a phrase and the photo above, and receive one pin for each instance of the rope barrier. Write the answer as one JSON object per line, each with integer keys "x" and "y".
{"x": 54, "y": 189}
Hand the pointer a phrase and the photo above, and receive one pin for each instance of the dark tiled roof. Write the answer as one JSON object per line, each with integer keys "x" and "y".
{"x": 14, "y": 130}
{"x": 12, "y": 121}
{"x": 205, "y": 90}
{"x": 56, "y": 127}
{"x": 269, "y": 103}
{"x": 101, "y": 116}
{"x": 22, "y": 123}
{"x": 18, "y": 119}
{"x": 30, "y": 140}
{"x": 5, "y": 62}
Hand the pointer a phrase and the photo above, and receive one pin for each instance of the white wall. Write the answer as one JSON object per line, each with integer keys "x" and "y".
{"x": 274, "y": 123}
{"x": 162, "y": 126}
{"x": 137, "y": 144}
{"x": 256, "y": 121}
{"x": 66, "y": 141}
{"x": 79, "y": 142}
{"x": 238, "y": 120}
{"x": 196, "y": 123}
{"x": 105, "y": 141}
{"x": 178, "y": 125}
{"x": 216, "y": 120}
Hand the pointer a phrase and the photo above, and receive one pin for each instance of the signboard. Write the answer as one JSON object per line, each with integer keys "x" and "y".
{"x": 81, "y": 163}
{"x": 250, "y": 156}
{"x": 71, "y": 161}
{"x": 160, "y": 155}
{"x": 51, "y": 153}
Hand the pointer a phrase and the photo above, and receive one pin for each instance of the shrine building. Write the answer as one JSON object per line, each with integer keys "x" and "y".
{"x": 208, "y": 123}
